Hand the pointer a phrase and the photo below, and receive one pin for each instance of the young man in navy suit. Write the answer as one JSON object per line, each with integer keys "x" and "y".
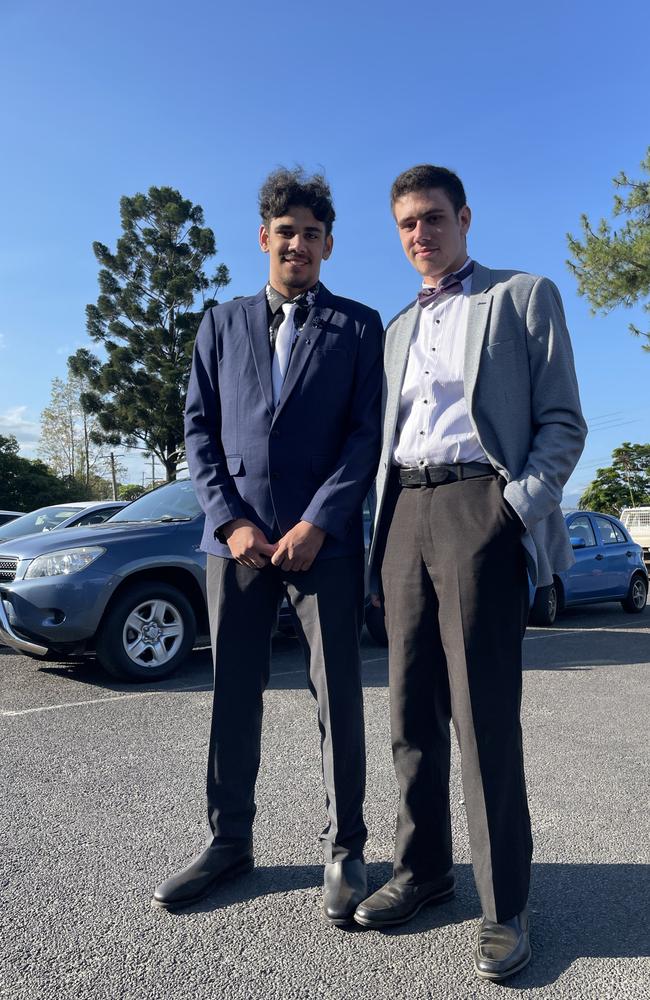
{"x": 283, "y": 436}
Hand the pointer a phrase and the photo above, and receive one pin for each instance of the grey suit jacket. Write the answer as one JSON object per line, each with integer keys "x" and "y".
{"x": 522, "y": 398}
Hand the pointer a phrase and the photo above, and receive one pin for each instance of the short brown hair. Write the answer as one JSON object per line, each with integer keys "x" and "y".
{"x": 426, "y": 176}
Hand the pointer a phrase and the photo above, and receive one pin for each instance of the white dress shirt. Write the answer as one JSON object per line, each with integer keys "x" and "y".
{"x": 433, "y": 426}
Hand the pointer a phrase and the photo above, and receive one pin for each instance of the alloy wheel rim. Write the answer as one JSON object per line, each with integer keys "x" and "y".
{"x": 552, "y": 603}
{"x": 153, "y": 633}
{"x": 639, "y": 595}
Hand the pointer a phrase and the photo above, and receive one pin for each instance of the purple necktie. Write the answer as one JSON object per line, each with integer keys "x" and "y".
{"x": 451, "y": 284}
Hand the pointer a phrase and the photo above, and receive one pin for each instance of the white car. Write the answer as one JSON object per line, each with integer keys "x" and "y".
{"x": 60, "y": 515}
{"x": 9, "y": 515}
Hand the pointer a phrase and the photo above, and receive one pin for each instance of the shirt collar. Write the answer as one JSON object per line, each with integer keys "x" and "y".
{"x": 276, "y": 299}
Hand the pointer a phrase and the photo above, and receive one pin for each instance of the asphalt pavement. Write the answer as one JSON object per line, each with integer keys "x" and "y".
{"x": 103, "y": 798}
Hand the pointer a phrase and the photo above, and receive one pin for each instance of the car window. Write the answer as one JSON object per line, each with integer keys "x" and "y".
{"x": 580, "y": 527}
{"x": 43, "y": 519}
{"x": 608, "y": 531}
{"x": 96, "y": 516}
{"x": 173, "y": 500}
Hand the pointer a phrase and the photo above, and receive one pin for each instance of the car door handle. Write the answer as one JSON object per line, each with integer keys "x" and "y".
{"x": 600, "y": 556}
{"x": 629, "y": 553}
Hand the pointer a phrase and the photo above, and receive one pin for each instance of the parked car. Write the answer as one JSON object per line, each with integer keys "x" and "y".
{"x": 60, "y": 515}
{"x": 9, "y": 515}
{"x": 636, "y": 521}
{"x": 131, "y": 589}
{"x": 609, "y": 567}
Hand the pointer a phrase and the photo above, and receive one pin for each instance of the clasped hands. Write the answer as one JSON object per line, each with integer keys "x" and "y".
{"x": 295, "y": 551}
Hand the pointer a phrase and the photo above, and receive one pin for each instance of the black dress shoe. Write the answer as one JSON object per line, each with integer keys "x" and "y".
{"x": 396, "y": 902}
{"x": 215, "y": 864}
{"x": 345, "y": 885}
{"x": 502, "y": 949}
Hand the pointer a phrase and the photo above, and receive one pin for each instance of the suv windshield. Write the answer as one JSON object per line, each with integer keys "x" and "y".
{"x": 43, "y": 519}
{"x": 169, "y": 502}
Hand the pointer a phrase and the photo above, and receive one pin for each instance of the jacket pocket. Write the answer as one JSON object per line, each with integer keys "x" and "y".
{"x": 501, "y": 347}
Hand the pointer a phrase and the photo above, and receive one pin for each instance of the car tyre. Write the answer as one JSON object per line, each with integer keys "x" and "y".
{"x": 376, "y": 623}
{"x": 545, "y": 604}
{"x": 147, "y": 633}
{"x": 637, "y": 595}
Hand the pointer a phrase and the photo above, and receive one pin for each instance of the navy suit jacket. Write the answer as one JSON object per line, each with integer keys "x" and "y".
{"x": 311, "y": 458}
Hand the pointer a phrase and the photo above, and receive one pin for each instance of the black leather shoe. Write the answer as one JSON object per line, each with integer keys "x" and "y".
{"x": 215, "y": 864}
{"x": 396, "y": 902}
{"x": 502, "y": 949}
{"x": 345, "y": 886}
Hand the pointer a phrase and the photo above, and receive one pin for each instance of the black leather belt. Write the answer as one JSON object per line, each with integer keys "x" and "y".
{"x": 434, "y": 475}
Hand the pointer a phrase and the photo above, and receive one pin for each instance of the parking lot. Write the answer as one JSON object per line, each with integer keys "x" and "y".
{"x": 104, "y": 798}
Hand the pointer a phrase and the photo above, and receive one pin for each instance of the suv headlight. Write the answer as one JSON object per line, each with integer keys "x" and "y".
{"x": 64, "y": 562}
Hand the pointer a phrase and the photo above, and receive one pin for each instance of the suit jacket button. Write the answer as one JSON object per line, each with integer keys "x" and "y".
{"x": 275, "y": 475}
{"x": 275, "y": 433}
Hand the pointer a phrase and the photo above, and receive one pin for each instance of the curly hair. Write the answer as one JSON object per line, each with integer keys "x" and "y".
{"x": 426, "y": 176}
{"x": 284, "y": 188}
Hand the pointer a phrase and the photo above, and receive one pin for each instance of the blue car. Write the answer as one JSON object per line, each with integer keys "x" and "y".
{"x": 131, "y": 590}
{"x": 609, "y": 566}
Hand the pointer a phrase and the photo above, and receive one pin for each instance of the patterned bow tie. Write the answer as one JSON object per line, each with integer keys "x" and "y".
{"x": 451, "y": 284}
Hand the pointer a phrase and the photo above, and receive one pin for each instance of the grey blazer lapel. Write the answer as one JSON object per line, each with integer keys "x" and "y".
{"x": 396, "y": 352}
{"x": 480, "y": 307}
{"x": 258, "y": 333}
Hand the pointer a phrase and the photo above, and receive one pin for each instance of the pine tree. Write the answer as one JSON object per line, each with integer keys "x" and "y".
{"x": 613, "y": 265}
{"x": 146, "y": 321}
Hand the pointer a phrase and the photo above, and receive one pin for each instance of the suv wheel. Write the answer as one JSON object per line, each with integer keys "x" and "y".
{"x": 637, "y": 595}
{"x": 147, "y": 633}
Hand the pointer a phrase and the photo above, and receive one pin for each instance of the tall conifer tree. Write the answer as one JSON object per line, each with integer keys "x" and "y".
{"x": 146, "y": 320}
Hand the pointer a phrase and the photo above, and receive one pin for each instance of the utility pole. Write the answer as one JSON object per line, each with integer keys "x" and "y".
{"x": 113, "y": 476}
{"x": 153, "y": 472}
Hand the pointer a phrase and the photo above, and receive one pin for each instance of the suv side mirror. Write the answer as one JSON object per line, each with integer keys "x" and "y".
{"x": 578, "y": 543}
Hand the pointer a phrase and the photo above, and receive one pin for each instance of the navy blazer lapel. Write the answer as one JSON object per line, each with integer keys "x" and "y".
{"x": 318, "y": 316}
{"x": 258, "y": 333}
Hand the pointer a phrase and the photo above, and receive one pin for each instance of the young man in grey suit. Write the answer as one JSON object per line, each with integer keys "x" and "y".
{"x": 282, "y": 427}
{"x": 482, "y": 429}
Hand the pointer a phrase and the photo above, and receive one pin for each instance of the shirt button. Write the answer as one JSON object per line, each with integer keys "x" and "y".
{"x": 421, "y": 432}
{"x": 425, "y": 400}
{"x": 438, "y": 322}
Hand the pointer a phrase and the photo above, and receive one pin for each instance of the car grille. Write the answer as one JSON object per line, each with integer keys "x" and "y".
{"x": 8, "y": 567}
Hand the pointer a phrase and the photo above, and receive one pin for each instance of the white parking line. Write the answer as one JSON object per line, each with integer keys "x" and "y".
{"x": 98, "y": 701}
{"x": 555, "y": 634}
{"x": 286, "y": 673}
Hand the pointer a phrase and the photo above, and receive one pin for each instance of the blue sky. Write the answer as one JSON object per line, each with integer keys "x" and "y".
{"x": 537, "y": 108}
